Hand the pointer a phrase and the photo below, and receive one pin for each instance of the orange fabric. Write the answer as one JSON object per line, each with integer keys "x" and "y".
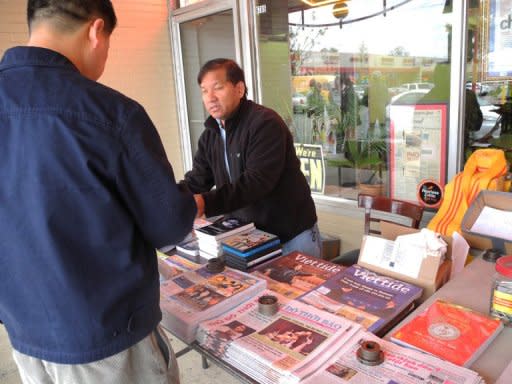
{"x": 484, "y": 169}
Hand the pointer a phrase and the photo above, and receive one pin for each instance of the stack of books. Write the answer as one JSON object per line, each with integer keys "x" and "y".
{"x": 209, "y": 237}
{"x": 449, "y": 331}
{"x": 249, "y": 249}
{"x": 377, "y": 302}
{"x": 188, "y": 246}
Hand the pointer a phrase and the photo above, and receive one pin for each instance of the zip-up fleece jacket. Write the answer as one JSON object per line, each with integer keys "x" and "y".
{"x": 267, "y": 186}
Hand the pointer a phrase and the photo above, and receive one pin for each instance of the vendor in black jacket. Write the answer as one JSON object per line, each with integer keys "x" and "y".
{"x": 247, "y": 152}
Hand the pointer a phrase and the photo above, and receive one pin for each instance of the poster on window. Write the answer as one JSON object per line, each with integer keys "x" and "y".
{"x": 498, "y": 50}
{"x": 417, "y": 147}
{"x": 312, "y": 165}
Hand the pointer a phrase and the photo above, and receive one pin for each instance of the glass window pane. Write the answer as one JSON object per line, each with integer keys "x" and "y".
{"x": 357, "y": 86}
{"x": 489, "y": 76}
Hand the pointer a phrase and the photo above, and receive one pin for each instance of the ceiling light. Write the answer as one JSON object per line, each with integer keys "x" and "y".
{"x": 340, "y": 10}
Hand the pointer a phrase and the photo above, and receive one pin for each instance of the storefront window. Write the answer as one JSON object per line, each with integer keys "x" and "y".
{"x": 367, "y": 83}
{"x": 489, "y": 74}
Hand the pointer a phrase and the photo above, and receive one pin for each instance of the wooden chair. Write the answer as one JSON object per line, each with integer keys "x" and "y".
{"x": 380, "y": 208}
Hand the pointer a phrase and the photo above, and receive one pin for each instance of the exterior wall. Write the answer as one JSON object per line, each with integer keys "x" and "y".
{"x": 139, "y": 64}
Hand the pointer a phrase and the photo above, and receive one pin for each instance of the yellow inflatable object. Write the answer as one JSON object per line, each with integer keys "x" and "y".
{"x": 485, "y": 169}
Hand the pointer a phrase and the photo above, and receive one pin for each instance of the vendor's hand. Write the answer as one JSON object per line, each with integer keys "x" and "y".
{"x": 200, "y": 204}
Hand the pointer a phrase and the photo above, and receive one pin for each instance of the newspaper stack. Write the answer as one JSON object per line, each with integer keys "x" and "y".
{"x": 209, "y": 237}
{"x": 283, "y": 348}
{"x": 195, "y": 296}
{"x": 249, "y": 249}
{"x": 170, "y": 266}
{"x": 377, "y": 302}
{"x": 400, "y": 365}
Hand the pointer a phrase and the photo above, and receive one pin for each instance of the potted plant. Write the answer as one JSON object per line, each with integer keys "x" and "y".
{"x": 363, "y": 156}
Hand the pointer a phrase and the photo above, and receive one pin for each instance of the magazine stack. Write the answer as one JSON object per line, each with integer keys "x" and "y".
{"x": 375, "y": 301}
{"x": 449, "y": 331}
{"x": 170, "y": 266}
{"x": 296, "y": 273}
{"x": 249, "y": 249}
{"x": 398, "y": 365}
{"x": 195, "y": 296}
{"x": 281, "y": 348}
{"x": 209, "y": 237}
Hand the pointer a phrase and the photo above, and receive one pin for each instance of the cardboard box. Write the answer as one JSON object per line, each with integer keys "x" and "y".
{"x": 432, "y": 273}
{"x": 493, "y": 199}
{"x": 330, "y": 246}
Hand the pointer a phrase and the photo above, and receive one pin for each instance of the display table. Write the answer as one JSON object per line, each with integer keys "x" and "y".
{"x": 471, "y": 288}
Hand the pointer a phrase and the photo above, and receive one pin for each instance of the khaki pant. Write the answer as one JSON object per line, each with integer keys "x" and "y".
{"x": 144, "y": 363}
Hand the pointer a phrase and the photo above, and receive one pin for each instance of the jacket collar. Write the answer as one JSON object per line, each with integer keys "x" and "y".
{"x": 35, "y": 56}
{"x": 233, "y": 121}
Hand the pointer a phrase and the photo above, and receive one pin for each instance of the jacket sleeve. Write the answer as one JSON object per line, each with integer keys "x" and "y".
{"x": 163, "y": 210}
{"x": 200, "y": 178}
{"x": 264, "y": 150}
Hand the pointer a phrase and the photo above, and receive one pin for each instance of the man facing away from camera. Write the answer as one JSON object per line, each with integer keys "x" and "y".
{"x": 87, "y": 194}
{"x": 247, "y": 153}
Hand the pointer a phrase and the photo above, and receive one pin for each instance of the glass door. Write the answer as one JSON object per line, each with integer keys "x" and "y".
{"x": 200, "y": 32}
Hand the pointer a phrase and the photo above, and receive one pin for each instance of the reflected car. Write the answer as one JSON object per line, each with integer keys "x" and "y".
{"x": 416, "y": 86}
{"x": 299, "y": 103}
{"x": 490, "y": 119}
{"x": 406, "y": 98}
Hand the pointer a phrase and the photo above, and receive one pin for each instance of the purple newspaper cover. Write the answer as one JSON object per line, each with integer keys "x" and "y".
{"x": 363, "y": 296}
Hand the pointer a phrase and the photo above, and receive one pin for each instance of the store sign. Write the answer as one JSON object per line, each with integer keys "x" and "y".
{"x": 312, "y": 165}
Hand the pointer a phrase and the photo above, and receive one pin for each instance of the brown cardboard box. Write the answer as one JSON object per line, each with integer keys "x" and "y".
{"x": 330, "y": 246}
{"x": 493, "y": 199}
{"x": 432, "y": 275}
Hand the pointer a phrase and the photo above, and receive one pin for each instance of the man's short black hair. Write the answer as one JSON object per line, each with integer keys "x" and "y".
{"x": 234, "y": 74}
{"x": 67, "y": 14}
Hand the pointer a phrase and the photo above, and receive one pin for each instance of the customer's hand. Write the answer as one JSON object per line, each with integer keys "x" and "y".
{"x": 200, "y": 204}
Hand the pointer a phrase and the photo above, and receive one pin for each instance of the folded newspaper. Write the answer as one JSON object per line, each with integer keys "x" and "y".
{"x": 283, "y": 348}
{"x": 195, "y": 296}
{"x": 400, "y": 365}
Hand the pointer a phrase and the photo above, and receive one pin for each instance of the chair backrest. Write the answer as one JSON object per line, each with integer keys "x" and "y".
{"x": 384, "y": 204}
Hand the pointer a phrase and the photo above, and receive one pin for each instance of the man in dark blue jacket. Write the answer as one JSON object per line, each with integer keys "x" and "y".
{"x": 247, "y": 152}
{"x": 87, "y": 194}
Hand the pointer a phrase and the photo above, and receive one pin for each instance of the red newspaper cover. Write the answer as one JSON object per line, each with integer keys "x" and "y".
{"x": 452, "y": 332}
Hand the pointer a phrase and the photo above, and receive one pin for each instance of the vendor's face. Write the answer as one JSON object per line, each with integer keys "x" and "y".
{"x": 221, "y": 98}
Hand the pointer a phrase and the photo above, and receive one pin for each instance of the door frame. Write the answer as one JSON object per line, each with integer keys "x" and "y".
{"x": 241, "y": 31}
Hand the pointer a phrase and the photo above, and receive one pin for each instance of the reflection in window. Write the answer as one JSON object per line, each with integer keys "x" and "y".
{"x": 489, "y": 74}
{"x": 352, "y": 85}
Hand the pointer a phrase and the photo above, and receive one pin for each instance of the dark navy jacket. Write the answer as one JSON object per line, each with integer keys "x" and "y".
{"x": 86, "y": 195}
{"x": 267, "y": 187}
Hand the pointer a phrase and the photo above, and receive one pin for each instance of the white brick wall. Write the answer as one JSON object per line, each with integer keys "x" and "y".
{"x": 139, "y": 64}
